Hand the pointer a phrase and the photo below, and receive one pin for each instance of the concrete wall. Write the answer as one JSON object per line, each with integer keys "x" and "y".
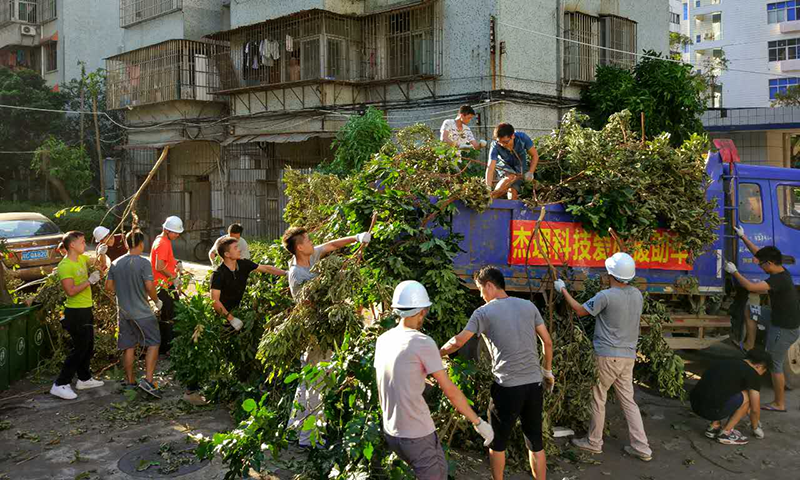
{"x": 197, "y": 19}
{"x": 248, "y": 13}
{"x": 88, "y": 31}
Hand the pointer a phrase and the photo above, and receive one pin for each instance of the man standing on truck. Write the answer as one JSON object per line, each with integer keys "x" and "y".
{"x": 304, "y": 256}
{"x": 782, "y": 320}
{"x": 510, "y": 327}
{"x": 456, "y": 132}
{"x": 404, "y": 357}
{"x": 730, "y": 390}
{"x": 509, "y": 158}
{"x": 617, "y": 311}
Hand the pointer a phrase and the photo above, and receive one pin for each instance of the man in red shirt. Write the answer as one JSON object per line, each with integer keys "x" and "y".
{"x": 166, "y": 277}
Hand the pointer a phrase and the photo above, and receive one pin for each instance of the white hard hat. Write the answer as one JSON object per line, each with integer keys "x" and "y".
{"x": 100, "y": 233}
{"x": 621, "y": 266}
{"x": 173, "y": 224}
{"x": 410, "y": 294}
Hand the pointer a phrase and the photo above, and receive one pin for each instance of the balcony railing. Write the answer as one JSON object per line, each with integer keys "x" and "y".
{"x": 18, "y": 11}
{"x": 317, "y": 46}
{"x": 171, "y": 70}
{"x": 132, "y": 12}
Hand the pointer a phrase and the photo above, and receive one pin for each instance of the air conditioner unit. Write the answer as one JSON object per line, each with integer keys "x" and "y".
{"x": 28, "y": 30}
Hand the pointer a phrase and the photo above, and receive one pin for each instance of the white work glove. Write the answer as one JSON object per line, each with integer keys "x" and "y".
{"x": 364, "y": 237}
{"x": 179, "y": 266}
{"x": 739, "y": 231}
{"x": 94, "y": 277}
{"x": 730, "y": 268}
{"x": 559, "y": 284}
{"x": 484, "y": 430}
{"x": 236, "y": 323}
{"x": 549, "y": 379}
{"x": 177, "y": 282}
{"x": 102, "y": 249}
{"x": 482, "y": 143}
{"x": 758, "y": 432}
{"x": 159, "y": 305}
{"x": 528, "y": 176}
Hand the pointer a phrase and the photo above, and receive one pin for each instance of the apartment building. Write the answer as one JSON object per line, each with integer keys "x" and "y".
{"x": 52, "y": 36}
{"x": 270, "y": 91}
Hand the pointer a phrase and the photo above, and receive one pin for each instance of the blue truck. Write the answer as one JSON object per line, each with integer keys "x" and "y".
{"x": 764, "y": 200}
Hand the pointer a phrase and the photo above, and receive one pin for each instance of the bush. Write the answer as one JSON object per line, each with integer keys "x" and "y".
{"x": 84, "y": 220}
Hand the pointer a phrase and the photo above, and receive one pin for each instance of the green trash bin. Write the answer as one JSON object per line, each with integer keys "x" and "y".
{"x": 16, "y": 317}
{"x": 37, "y": 339}
{"x": 5, "y": 381}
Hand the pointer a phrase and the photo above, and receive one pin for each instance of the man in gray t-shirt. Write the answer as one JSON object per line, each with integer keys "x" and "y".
{"x": 304, "y": 256}
{"x": 510, "y": 326}
{"x": 617, "y": 311}
{"x": 131, "y": 278}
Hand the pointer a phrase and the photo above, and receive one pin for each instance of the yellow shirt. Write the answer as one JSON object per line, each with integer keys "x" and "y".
{"x": 79, "y": 273}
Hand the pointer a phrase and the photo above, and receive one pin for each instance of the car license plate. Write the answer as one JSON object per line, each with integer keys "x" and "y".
{"x": 34, "y": 255}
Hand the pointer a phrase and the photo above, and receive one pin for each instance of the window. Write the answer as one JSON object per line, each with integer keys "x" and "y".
{"x": 783, "y": 49}
{"x": 619, "y": 36}
{"x": 685, "y": 48}
{"x": 674, "y": 18}
{"x": 697, "y": 4}
{"x": 715, "y": 96}
{"x": 750, "y": 206}
{"x": 778, "y": 12}
{"x": 781, "y": 85}
{"x": 50, "y": 56}
{"x": 410, "y": 42}
{"x": 134, "y": 11}
{"x": 789, "y": 205}
{"x": 47, "y": 10}
{"x": 686, "y": 11}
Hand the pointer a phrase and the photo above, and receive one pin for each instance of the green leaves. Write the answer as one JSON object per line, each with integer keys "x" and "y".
{"x": 249, "y": 405}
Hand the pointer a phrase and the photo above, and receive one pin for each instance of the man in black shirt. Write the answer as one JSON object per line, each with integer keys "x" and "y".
{"x": 782, "y": 320}
{"x": 731, "y": 389}
{"x": 229, "y": 280}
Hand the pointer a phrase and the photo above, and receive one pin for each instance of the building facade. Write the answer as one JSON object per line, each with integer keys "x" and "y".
{"x": 52, "y": 36}
{"x": 270, "y": 91}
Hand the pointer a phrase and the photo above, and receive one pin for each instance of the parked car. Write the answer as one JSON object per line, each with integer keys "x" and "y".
{"x": 31, "y": 239}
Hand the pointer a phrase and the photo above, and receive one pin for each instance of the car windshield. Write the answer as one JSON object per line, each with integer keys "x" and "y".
{"x": 26, "y": 228}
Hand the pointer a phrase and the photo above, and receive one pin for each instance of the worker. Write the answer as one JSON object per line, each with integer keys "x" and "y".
{"x": 109, "y": 246}
{"x": 731, "y": 389}
{"x": 511, "y": 327}
{"x": 235, "y": 230}
{"x": 617, "y": 311}
{"x": 782, "y": 320}
{"x": 509, "y": 159}
{"x": 131, "y": 278}
{"x": 304, "y": 256}
{"x": 404, "y": 358}
{"x": 78, "y": 321}
{"x": 229, "y": 280}
{"x": 165, "y": 274}
{"x": 456, "y": 132}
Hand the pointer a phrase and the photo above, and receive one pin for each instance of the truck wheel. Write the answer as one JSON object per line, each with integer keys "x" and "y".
{"x": 791, "y": 366}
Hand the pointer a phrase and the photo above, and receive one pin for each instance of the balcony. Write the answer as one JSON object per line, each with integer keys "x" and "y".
{"x": 18, "y": 11}
{"x": 132, "y": 12}
{"x": 318, "y": 46}
{"x": 167, "y": 71}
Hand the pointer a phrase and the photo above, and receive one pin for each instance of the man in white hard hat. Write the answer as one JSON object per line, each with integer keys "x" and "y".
{"x": 404, "y": 357}
{"x": 165, "y": 275}
{"x": 511, "y": 327}
{"x": 304, "y": 256}
{"x": 617, "y": 311}
{"x": 108, "y": 246}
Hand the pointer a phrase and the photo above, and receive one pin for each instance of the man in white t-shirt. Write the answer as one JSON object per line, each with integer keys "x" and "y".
{"x": 456, "y": 132}
{"x": 234, "y": 231}
{"x": 404, "y": 357}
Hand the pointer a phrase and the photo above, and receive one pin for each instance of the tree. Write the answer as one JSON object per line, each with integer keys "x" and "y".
{"x": 677, "y": 41}
{"x": 360, "y": 138}
{"x": 24, "y": 130}
{"x": 788, "y": 98}
{"x": 669, "y": 94}
{"x": 67, "y": 169}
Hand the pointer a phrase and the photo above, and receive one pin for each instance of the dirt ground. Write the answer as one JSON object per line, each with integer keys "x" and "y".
{"x": 42, "y": 437}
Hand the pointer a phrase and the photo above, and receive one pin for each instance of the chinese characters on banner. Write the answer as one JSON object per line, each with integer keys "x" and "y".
{"x": 579, "y": 248}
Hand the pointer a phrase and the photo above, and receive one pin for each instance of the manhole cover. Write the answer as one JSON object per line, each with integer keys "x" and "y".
{"x": 161, "y": 460}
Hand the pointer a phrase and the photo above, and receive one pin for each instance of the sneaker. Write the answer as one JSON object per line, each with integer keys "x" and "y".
{"x": 91, "y": 383}
{"x": 732, "y": 438}
{"x": 712, "y": 432}
{"x": 583, "y": 444}
{"x": 149, "y": 388}
{"x": 633, "y": 453}
{"x": 63, "y": 391}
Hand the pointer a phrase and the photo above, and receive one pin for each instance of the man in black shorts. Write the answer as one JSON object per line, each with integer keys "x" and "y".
{"x": 730, "y": 390}
{"x": 229, "y": 280}
{"x": 510, "y": 327}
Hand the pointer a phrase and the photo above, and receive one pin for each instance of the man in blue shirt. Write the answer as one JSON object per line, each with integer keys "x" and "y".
{"x": 509, "y": 157}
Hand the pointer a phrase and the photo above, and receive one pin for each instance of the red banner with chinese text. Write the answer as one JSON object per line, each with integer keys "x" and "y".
{"x": 578, "y": 248}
